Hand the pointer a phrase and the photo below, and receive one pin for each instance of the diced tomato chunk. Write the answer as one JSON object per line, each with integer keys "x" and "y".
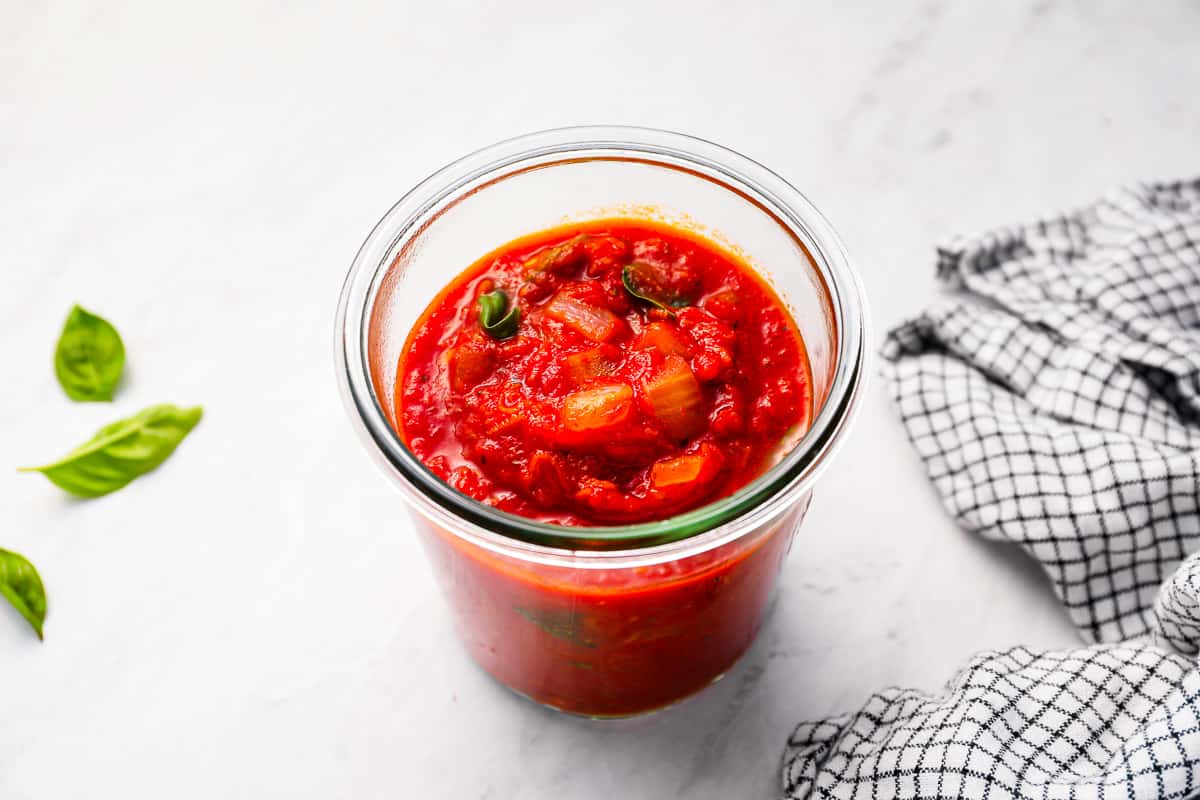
{"x": 723, "y": 305}
{"x": 560, "y": 257}
{"x": 661, "y": 336}
{"x": 470, "y": 364}
{"x": 675, "y": 266}
{"x": 777, "y": 408}
{"x": 714, "y": 340}
{"x": 468, "y": 481}
{"x": 674, "y": 471}
{"x": 607, "y": 253}
{"x": 546, "y": 478}
{"x": 686, "y": 471}
{"x": 542, "y": 270}
{"x": 729, "y": 409}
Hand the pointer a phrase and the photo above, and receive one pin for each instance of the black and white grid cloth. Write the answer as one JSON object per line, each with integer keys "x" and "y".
{"x": 1055, "y": 401}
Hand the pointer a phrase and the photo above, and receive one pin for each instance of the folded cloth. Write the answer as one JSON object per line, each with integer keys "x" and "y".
{"x": 1055, "y": 402}
{"x": 1111, "y": 721}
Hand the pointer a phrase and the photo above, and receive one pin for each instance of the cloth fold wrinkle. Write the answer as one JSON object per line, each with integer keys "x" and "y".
{"x": 1055, "y": 403}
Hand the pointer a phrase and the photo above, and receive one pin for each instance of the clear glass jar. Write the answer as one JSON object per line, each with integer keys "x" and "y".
{"x": 604, "y": 621}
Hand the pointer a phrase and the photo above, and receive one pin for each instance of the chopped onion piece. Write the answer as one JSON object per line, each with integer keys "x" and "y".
{"x": 597, "y": 324}
{"x": 675, "y": 399}
{"x": 597, "y": 409}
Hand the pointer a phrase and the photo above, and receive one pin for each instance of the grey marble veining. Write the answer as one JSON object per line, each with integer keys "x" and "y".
{"x": 255, "y": 619}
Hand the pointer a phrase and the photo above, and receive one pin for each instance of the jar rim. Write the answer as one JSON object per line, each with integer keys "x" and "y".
{"x": 710, "y": 525}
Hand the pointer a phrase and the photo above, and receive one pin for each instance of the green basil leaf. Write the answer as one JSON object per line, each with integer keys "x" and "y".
{"x": 645, "y": 283}
{"x": 89, "y": 357}
{"x": 21, "y": 585}
{"x": 121, "y": 451}
{"x": 492, "y": 318}
{"x": 566, "y": 625}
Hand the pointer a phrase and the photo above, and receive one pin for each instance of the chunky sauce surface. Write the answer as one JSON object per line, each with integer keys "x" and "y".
{"x": 645, "y": 373}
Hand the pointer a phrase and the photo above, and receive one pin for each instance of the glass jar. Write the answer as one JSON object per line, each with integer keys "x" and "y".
{"x": 620, "y": 620}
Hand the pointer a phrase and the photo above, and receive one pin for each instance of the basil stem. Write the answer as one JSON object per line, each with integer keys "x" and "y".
{"x": 492, "y": 318}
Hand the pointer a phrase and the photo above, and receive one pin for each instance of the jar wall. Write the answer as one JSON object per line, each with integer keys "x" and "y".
{"x": 610, "y": 642}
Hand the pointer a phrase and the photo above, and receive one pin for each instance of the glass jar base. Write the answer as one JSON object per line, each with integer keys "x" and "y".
{"x": 611, "y": 720}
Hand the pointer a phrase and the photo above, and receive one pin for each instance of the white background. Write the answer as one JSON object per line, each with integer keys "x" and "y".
{"x": 256, "y": 619}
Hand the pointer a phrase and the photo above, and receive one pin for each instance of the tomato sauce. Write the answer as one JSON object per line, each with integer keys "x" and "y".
{"x": 611, "y": 642}
{"x": 632, "y": 371}
{"x": 611, "y": 372}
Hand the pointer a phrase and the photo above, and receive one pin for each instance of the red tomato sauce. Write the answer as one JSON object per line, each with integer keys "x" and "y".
{"x": 644, "y": 372}
{"x": 611, "y": 642}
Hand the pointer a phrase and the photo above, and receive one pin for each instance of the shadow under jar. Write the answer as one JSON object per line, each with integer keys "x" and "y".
{"x": 618, "y": 620}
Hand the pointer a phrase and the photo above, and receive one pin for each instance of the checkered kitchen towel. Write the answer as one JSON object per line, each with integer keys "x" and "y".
{"x": 1055, "y": 401}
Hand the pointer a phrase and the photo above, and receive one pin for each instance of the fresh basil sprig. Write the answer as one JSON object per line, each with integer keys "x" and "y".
{"x": 89, "y": 357}
{"x": 644, "y": 282}
{"x": 21, "y": 585}
{"x": 121, "y": 451}
{"x": 492, "y": 318}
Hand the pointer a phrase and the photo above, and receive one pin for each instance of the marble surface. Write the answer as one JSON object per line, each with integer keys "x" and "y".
{"x": 255, "y": 619}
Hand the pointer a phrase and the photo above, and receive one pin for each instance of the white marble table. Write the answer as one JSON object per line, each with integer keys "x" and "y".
{"x": 255, "y": 619}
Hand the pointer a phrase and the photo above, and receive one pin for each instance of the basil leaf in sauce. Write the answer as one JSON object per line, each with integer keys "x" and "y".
{"x": 564, "y": 625}
{"x": 21, "y": 586}
{"x": 89, "y": 357}
{"x": 492, "y": 318}
{"x": 644, "y": 282}
{"x": 121, "y": 451}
